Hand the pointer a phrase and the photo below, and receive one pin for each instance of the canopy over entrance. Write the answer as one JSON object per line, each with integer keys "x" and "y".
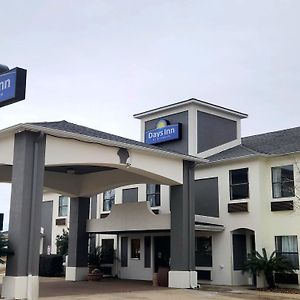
{"x": 80, "y": 161}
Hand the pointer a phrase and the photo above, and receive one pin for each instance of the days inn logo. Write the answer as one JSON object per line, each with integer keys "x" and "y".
{"x": 7, "y": 85}
{"x": 4, "y": 85}
{"x": 163, "y": 133}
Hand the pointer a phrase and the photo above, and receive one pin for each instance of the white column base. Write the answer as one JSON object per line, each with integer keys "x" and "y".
{"x": 183, "y": 279}
{"x": 76, "y": 273}
{"x": 20, "y": 287}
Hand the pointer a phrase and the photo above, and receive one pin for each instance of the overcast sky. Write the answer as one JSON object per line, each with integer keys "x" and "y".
{"x": 96, "y": 63}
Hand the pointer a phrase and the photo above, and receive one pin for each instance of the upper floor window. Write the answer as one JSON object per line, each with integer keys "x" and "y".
{"x": 63, "y": 203}
{"x": 108, "y": 200}
{"x": 153, "y": 194}
{"x": 239, "y": 184}
{"x": 287, "y": 246}
{"x": 283, "y": 182}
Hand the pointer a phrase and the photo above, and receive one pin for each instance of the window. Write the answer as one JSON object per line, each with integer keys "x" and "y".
{"x": 239, "y": 249}
{"x": 283, "y": 182}
{"x": 153, "y": 194}
{"x": 130, "y": 195}
{"x": 239, "y": 184}
{"x": 107, "y": 251}
{"x": 287, "y": 246}
{"x": 135, "y": 248}
{"x": 63, "y": 203}
{"x": 124, "y": 252}
{"x": 203, "y": 253}
{"x": 108, "y": 200}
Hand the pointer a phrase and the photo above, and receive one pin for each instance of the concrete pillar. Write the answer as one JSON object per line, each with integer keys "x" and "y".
{"x": 93, "y": 215}
{"x": 77, "y": 268}
{"x": 21, "y": 280}
{"x": 182, "y": 204}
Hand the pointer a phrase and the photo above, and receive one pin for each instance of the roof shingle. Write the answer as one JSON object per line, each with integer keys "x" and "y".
{"x": 271, "y": 143}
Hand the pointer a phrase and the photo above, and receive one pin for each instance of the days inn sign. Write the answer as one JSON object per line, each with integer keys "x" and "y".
{"x": 163, "y": 133}
{"x": 12, "y": 86}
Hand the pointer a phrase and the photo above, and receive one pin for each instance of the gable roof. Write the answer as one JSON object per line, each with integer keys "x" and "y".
{"x": 272, "y": 143}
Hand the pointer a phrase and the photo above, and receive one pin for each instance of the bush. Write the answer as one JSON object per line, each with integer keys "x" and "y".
{"x": 257, "y": 263}
{"x": 3, "y": 247}
{"x": 62, "y": 242}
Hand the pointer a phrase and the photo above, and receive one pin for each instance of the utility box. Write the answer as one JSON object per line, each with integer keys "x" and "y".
{"x": 1, "y": 221}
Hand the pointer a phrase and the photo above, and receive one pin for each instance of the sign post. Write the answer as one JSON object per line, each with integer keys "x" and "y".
{"x": 1, "y": 221}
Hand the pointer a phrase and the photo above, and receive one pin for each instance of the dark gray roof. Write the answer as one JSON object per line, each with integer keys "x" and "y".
{"x": 271, "y": 143}
{"x": 78, "y": 129}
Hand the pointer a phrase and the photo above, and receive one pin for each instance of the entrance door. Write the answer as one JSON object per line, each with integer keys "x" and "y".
{"x": 161, "y": 252}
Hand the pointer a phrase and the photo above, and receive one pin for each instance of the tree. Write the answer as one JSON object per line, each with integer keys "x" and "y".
{"x": 3, "y": 247}
{"x": 257, "y": 264}
{"x": 62, "y": 242}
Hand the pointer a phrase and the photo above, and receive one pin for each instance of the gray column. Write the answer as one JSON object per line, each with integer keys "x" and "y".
{"x": 93, "y": 215}
{"x": 182, "y": 204}
{"x": 25, "y": 215}
{"x": 78, "y": 239}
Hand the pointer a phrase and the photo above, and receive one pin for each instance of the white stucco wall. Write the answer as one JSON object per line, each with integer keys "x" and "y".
{"x": 260, "y": 219}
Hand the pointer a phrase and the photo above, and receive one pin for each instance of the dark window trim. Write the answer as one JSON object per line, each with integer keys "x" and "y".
{"x": 282, "y": 182}
{"x": 61, "y": 206}
{"x": 282, "y": 205}
{"x": 208, "y": 254}
{"x": 135, "y": 255}
{"x": 239, "y": 184}
{"x": 156, "y": 194}
{"x": 282, "y": 253}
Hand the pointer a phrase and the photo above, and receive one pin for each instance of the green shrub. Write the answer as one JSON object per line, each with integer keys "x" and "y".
{"x": 62, "y": 242}
{"x": 257, "y": 264}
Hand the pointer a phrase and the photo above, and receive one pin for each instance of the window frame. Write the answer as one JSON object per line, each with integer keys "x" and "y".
{"x": 135, "y": 253}
{"x": 205, "y": 252}
{"x": 110, "y": 200}
{"x": 287, "y": 253}
{"x": 157, "y": 195}
{"x": 232, "y": 185}
{"x": 61, "y": 206}
{"x": 282, "y": 182}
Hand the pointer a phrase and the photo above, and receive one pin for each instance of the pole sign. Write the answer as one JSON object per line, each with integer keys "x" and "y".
{"x": 1, "y": 221}
{"x": 12, "y": 86}
{"x": 163, "y": 133}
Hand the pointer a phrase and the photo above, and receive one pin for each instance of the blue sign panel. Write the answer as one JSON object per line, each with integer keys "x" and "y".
{"x": 12, "y": 86}
{"x": 164, "y": 134}
{"x": 8, "y": 85}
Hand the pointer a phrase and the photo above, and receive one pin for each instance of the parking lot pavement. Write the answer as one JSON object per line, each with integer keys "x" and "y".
{"x": 112, "y": 289}
{"x": 177, "y": 294}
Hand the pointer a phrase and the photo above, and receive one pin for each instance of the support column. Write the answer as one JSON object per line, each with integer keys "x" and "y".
{"x": 22, "y": 269}
{"x": 93, "y": 215}
{"x": 182, "y": 204}
{"x": 77, "y": 268}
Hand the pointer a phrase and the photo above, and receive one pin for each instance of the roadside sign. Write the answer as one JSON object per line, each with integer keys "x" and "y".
{"x": 12, "y": 86}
